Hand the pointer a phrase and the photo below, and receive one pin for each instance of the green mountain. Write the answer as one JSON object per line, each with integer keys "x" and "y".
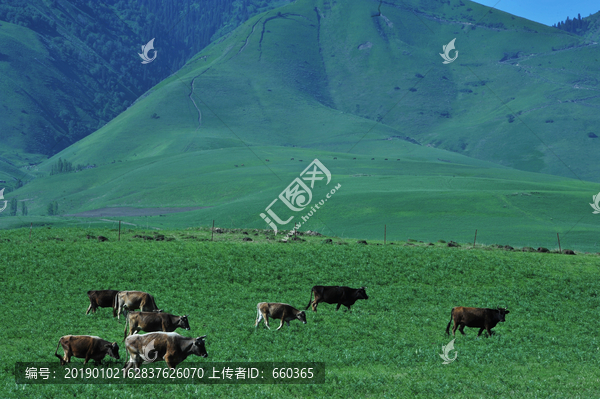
{"x": 437, "y": 146}
{"x": 69, "y": 67}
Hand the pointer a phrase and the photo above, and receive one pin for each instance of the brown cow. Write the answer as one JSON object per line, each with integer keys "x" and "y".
{"x": 336, "y": 294}
{"x": 102, "y": 299}
{"x": 87, "y": 347}
{"x": 134, "y": 300}
{"x": 152, "y": 321}
{"x": 168, "y": 346}
{"x": 482, "y": 318}
{"x": 281, "y": 311}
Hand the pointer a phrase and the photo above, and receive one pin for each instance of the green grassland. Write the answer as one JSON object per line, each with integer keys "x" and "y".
{"x": 387, "y": 346}
{"x": 418, "y": 196}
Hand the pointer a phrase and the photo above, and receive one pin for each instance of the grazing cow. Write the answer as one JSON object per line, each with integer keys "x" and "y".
{"x": 87, "y": 347}
{"x": 152, "y": 321}
{"x": 336, "y": 294}
{"x": 102, "y": 299}
{"x": 281, "y": 311}
{"x": 168, "y": 346}
{"x": 134, "y": 300}
{"x": 482, "y": 318}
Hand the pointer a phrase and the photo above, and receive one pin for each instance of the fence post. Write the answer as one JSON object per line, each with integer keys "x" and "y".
{"x": 559, "y": 249}
{"x": 475, "y": 239}
{"x": 212, "y": 233}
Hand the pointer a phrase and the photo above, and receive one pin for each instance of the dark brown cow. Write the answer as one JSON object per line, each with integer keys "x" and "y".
{"x": 152, "y": 321}
{"x": 281, "y": 311}
{"x": 482, "y": 318}
{"x": 86, "y": 347}
{"x": 133, "y": 300}
{"x": 168, "y": 346}
{"x": 336, "y": 294}
{"x": 102, "y": 299}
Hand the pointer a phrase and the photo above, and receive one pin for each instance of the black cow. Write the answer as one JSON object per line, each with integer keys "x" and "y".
{"x": 482, "y": 318}
{"x": 102, "y": 299}
{"x": 336, "y": 294}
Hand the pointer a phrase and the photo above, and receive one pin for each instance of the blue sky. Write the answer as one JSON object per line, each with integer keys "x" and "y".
{"x": 546, "y": 12}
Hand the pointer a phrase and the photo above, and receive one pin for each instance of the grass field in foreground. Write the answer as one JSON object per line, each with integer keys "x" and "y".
{"x": 387, "y": 346}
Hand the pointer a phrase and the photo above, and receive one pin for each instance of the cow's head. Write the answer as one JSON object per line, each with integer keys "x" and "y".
{"x": 184, "y": 323}
{"x": 199, "y": 347}
{"x": 112, "y": 350}
{"x": 501, "y": 313}
{"x": 301, "y": 316}
{"x": 361, "y": 293}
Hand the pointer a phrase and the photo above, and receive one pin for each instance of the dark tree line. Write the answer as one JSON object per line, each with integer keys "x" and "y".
{"x": 577, "y": 25}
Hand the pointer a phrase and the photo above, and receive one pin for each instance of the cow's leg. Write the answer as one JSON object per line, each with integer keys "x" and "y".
{"x": 480, "y": 331}
{"x": 461, "y": 329}
{"x": 338, "y": 306}
{"x": 68, "y": 354}
{"x": 131, "y": 363}
{"x": 489, "y": 331}
{"x": 171, "y": 363}
{"x": 259, "y": 317}
{"x": 266, "y": 318}
{"x": 89, "y": 308}
{"x": 282, "y": 320}
{"x": 314, "y": 305}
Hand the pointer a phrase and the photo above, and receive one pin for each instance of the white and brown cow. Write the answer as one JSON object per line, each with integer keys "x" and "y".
{"x": 168, "y": 346}
{"x": 133, "y": 300}
{"x": 152, "y": 321}
{"x": 281, "y": 311}
{"x": 102, "y": 299}
{"x": 86, "y": 347}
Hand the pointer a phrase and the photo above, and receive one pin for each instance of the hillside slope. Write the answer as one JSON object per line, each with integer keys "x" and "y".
{"x": 315, "y": 79}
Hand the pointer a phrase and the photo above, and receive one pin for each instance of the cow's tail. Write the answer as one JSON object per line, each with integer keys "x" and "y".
{"x": 450, "y": 322}
{"x": 153, "y": 303}
{"x": 62, "y": 361}
{"x": 309, "y": 300}
{"x": 114, "y": 304}
{"x": 126, "y": 321}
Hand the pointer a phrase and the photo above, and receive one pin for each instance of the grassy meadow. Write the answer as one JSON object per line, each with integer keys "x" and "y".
{"x": 387, "y": 346}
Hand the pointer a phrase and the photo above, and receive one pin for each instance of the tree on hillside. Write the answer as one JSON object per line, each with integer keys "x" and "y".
{"x": 52, "y": 208}
{"x": 13, "y": 207}
{"x": 577, "y": 25}
{"x": 23, "y": 208}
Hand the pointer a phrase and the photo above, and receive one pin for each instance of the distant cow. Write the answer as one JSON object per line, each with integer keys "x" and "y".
{"x": 102, "y": 299}
{"x": 482, "y": 318}
{"x": 281, "y": 311}
{"x": 168, "y": 346}
{"x": 336, "y": 294}
{"x": 134, "y": 300}
{"x": 152, "y": 321}
{"x": 86, "y": 347}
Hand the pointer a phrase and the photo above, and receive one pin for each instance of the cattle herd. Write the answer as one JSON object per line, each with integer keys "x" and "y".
{"x": 174, "y": 348}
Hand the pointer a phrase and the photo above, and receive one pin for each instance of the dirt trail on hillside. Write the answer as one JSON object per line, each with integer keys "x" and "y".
{"x": 124, "y": 211}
